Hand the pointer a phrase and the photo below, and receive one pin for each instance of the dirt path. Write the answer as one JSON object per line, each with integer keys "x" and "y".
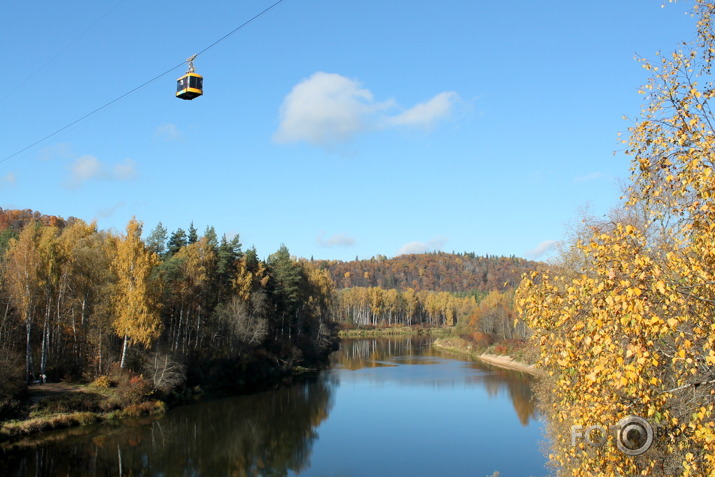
{"x": 42, "y": 391}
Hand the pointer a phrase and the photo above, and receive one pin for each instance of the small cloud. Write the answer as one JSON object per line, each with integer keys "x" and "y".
{"x": 109, "y": 211}
{"x": 87, "y": 168}
{"x": 422, "y": 247}
{"x": 168, "y": 132}
{"x": 328, "y": 109}
{"x": 125, "y": 171}
{"x": 8, "y": 180}
{"x": 337, "y": 240}
{"x": 589, "y": 177}
{"x": 58, "y": 150}
{"x": 83, "y": 169}
{"x": 542, "y": 249}
{"x": 427, "y": 114}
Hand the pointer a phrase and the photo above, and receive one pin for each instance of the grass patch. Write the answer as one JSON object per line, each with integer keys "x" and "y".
{"x": 77, "y": 401}
{"x": 47, "y": 423}
{"x": 459, "y": 346}
{"x": 69, "y": 405}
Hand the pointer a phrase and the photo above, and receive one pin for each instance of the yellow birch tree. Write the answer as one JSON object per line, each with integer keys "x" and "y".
{"x": 136, "y": 311}
{"x": 632, "y": 332}
{"x": 21, "y": 274}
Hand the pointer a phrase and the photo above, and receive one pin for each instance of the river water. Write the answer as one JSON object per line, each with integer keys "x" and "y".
{"x": 387, "y": 407}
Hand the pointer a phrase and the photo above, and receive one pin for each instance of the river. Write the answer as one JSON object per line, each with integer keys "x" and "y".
{"x": 387, "y": 407}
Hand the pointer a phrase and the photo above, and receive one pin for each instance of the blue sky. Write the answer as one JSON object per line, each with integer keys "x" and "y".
{"x": 340, "y": 128}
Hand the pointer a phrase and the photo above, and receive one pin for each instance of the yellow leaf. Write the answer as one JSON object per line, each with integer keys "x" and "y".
{"x": 660, "y": 286}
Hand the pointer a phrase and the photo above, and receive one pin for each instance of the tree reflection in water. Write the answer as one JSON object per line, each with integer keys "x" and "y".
{"x": 268, "y": 433}
{"x": 362, "y": 353}
{"x": 271, "y": 433}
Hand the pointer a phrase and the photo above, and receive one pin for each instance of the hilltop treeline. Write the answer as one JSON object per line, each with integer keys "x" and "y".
{"x": 433, "y": 289}
{"x": 437, "y": 271}
{"x": 76, "y": 301}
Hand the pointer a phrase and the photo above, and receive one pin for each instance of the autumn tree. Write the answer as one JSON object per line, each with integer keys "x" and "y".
{"x": 135, "y": 307}
{"x": 195, "y": 265}
{"x": 630, "y": 331}
{"x": 73, "y": 297}
{"x": 21, "y": 273}
{"x": 88, "y": 284}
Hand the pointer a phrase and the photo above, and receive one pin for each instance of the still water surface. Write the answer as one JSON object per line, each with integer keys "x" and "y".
{"x": 388, "y": 407}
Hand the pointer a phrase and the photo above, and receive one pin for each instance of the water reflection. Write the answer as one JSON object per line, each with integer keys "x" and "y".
{"x": 286, "y": 431}
{"x": 269, "y": 433}
{"x": 363, "y": 354}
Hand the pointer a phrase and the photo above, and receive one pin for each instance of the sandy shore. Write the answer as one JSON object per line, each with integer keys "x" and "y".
{"x": 509, "y": 363}
{"x": 459, "y": 346}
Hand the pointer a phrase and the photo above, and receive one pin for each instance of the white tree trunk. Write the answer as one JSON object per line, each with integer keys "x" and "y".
{"x": 124, "y": 351}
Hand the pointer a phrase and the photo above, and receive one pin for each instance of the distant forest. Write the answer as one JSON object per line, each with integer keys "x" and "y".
{"x": 437, "y": 271}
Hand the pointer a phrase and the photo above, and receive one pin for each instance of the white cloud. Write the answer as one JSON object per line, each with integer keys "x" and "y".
{"x": 86, "y": 168}
{"x": 588, "y": 177}
{"x": 427, "y": 114}
{"x": 125, "y": 170}
{"x": 8, "y": 180}
{"x": 337, "y": 240}
{"x": 168, "y": 132}
{"x": 541, "y": 249}
{"x": 327, "y": 109}
{"x": 422, "y": 247}
{"x": 83, "y": 169}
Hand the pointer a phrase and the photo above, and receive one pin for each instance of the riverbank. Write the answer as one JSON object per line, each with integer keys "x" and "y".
{"x": 62, "y": 405}
{"x": 391, "y": 331}
{"x": 465, "y": 348}
{"x": 54, "y": 406}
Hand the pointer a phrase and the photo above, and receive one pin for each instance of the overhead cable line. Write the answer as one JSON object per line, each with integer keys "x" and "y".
{"x": 91, "y": 113}
{"x": 239, "y": 27}
{"x": 65, "y": 48}
{"x": 146, "y": 83}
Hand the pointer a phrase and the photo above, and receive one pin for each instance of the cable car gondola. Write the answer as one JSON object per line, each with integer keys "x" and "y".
{"x": 191, "y": 85}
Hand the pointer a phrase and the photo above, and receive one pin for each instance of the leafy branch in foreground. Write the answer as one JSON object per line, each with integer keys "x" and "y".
{"x": 631, "y": 330}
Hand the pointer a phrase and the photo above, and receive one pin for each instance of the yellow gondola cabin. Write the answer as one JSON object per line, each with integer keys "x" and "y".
{"x": 191, "y": 85}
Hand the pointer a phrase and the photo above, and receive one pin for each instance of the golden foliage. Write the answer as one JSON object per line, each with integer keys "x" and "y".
{"x": 632, "y": 332}
{"x": 135, "y": 306}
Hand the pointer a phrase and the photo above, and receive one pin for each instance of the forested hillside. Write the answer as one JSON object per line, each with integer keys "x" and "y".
{"x": 433, "y": 289}
{"x": 438, "y": 271}
{"x": 77, "y": 302}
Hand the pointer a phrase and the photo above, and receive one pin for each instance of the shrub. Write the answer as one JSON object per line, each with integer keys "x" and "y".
{"x": 481, "y": 339}
{"x": 164, "y": 373}
{"x": 103, "y": 382}
{"x": 143, "y": 409}
{"x": 501, "y": 349}
{"x": 131, "y": 388}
